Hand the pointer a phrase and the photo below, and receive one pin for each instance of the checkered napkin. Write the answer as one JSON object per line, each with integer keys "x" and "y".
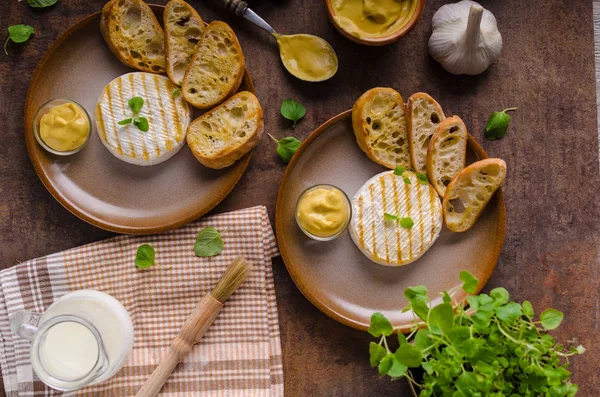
{"x": 240, "y": 355}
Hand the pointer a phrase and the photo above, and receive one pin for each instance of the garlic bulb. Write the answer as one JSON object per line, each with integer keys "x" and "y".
{"x": 465, "y": 38}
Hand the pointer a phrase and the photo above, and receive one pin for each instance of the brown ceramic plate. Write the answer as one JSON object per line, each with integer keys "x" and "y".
{"x": 93, "y": 184}
{"x": 335, "y": 276}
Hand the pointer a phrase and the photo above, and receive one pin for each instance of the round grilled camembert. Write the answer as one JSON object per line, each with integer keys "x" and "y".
{"x": 168, "y": 116}
{"x": 387, "y": 242}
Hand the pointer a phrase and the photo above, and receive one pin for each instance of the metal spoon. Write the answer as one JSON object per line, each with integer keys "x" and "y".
{"x": 305, "y": 56}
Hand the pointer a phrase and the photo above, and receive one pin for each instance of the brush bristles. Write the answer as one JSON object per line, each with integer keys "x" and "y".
{"x": 233, "y": 277}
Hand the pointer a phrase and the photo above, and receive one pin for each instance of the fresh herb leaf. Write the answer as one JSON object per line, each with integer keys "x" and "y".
{"x": 376, "y": 353}
{"x": 409, "y": 355}
{"x": 397, "y": 369}
{"x": 389, "y": 217}
{"x": 500, "y": 295}
{"x": 509, "y": 312}
{"x": 551, "y": 319}
{"x": 380, "y": 325}
{"x": 418, "y": 300}
{"x": 440, "y": 319}
{"x": 386, "y": 363}
{"x": 407, "y": 222}
{"x": 141, "y": 123}
{"x": 136, "y": 104}
{"x": 18, "y": 34}
{"x": 208, "y": 242}
{"x": 422, "y": 178}
{"x": 41, "y": 3}
{"x": 286, "y": 147}
{"x": 527, "y": 309}
{"x": 399, "y": 170}
{"x": 407, "y": 181}
{"x": 144, "y": 258}
{"x": 497, "y": 124}
{"x": 176, "y": 93}
{"x": 469, "y": 282}
{"x": 422, "y": 339}
{"x": 292, "y": 110}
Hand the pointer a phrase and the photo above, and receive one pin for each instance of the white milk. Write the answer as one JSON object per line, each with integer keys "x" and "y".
{"x": 70, "y": 349}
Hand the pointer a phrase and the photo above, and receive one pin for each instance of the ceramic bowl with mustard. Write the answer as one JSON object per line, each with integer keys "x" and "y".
{"x": 62, "y": 126}
{"x": 374, "y": 22}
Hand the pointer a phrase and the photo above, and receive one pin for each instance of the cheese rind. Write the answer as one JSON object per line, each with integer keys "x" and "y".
{"x": 387, "y": 242}
{"x": 168, "y": 118}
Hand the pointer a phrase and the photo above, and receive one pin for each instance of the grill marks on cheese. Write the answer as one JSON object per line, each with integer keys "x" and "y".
{"x": 168, "y": 118}
{"x": 387, "y": 242}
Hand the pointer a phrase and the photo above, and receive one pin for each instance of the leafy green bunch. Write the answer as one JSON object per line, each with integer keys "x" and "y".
{"x": 486, "y": 346}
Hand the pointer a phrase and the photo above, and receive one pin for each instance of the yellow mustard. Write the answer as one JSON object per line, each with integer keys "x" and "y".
{"x": 65, "y": 127}
{"x": 323, "y": 212}
{"x": 307, "y": 57}
{"x": 373, "y": 18}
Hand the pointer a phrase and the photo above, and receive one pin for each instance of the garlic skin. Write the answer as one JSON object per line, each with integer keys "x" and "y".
{"x": 465, "y": 38}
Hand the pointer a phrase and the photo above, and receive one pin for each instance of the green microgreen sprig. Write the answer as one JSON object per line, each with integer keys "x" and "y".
{"x": 136, "y": 103}
{"x": 487, "y": 346}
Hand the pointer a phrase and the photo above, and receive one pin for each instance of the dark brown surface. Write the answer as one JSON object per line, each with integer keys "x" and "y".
{"x": 546, "y": 70}
{"x": 330, "y": 155}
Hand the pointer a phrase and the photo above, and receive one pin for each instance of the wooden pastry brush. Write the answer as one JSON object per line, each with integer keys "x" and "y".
{"x": 194, "y": 328}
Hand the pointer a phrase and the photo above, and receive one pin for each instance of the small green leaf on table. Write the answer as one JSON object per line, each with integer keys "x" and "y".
{"x": 18, "y": 34}
{"x": 292, "y": 110}
{"x": 286, "y": 147}
{"x": 497, "y": 124}
{"x": 208, "y": 242}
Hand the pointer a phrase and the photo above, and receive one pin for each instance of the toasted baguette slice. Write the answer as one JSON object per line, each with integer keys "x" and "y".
{"x": 424, "y": 115}
{"x": 183, "y": 29}
{"x": 217, "y": 68}
{"x": 380, "y": 126}
{"x": 225, "y": 134}
{"x": 447, "y": 153}
{"x": 470, "y": 191}
{"x": 134, "y": 35}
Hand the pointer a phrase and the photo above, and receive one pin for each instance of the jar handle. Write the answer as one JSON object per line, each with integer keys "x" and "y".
{"x": 25, "y": 324}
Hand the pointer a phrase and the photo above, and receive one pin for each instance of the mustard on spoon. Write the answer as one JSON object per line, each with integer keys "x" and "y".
{"x": 305, "y": 56}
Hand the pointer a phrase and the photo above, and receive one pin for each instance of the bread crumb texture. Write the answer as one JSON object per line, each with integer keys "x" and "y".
{"x": 217, "y": 68}
{"x": 447, "y": 152}
{"x": 183, "y": 28}
{"x": 226, "y": 131}
{"x": 383, "y": 119}
{"x": 426, "y": 115}
{"x": 136, "y": 33}
{"x": 471, "y": 190}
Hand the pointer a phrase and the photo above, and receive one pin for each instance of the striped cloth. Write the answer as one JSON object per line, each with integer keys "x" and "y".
{"x": 239, "y": 356}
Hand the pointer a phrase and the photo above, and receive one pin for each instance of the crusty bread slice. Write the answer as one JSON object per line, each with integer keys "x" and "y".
{"x": 424, "y": 115}
{"x": 217, "y": 68}
{"x": 183, "y": 29}
{"x": 134, "y": 35}
{"x": 380, "y": 126}
{"x": 225, "y": 134}
{"x": 470, "y": 191}
{"x": 447, "y": 153}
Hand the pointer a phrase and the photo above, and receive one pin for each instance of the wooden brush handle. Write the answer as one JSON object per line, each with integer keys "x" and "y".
{"x": 193, "y": 330}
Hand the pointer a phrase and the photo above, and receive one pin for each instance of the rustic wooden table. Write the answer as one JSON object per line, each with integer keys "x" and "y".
{"x": 550, "y": 255}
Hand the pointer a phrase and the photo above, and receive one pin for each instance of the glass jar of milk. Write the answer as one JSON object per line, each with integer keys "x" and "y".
{"x": 84, "y": 338}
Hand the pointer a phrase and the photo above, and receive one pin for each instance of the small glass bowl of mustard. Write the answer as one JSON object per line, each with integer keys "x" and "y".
{"x": 323, "y": 212}
{"x": 374, "y": 23}
{"x": 62, "y": 126}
